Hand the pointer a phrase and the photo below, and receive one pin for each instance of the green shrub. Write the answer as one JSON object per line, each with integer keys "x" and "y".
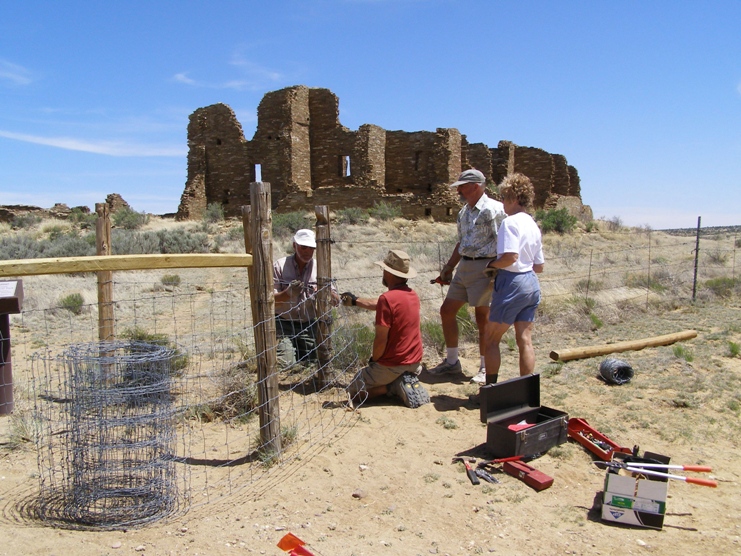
{"x": 72, "y": 302}
{"x": 733, "y": 349}
{"x": 236, "y": 234}
{"x": 467, "y": 328}
{"x": 352, "y": 215}
{"x": 84, "y": 220}
{"x": 385, "y": 211}
{"x": 287, "y": 223}
{"x": 129, "y": 219}
{"x": 722, "y": 287}
{"x": 24, "y": 221}
{"x": 170, "y": 280}
{"x": 127, "y": 242}
{"x": 590, "y": 226}
{"x": 432, "y": 335}
{"x": 716, "y": 257}
{"x": 553, "y": 220}
{"x": 353, "y": 346}
{"x": 214, "y": 213}
{"x": 139, "y": 334}
{"x": 682, "y": 352}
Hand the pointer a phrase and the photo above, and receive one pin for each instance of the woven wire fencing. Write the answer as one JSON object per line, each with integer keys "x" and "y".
{"x": 120, "y": 447}
{"x": 107, "y": 415}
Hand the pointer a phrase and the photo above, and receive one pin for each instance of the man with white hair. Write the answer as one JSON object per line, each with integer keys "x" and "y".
{"x": 478, "y": 222}
{"x": 295, "y": 288}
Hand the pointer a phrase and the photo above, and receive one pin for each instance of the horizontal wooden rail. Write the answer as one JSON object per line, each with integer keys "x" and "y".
{"x": 631, "y": 345}
{"x": 66, "y": 265}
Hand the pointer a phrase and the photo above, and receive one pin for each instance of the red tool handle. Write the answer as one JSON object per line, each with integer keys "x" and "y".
{"x": 703, "y": 482}
{"x": 471, "y": 474}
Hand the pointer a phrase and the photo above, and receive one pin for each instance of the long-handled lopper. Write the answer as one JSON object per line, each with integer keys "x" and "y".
{"x": 634, "y": 467}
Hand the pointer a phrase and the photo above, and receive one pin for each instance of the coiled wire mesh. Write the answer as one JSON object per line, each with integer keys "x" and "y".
{"x": 111, "y": 463}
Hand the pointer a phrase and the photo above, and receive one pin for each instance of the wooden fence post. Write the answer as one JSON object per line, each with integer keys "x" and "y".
{"x": 246, "y": 225}
{"x": 324, "y": 298}
{"x": 105, "y": 277}
{"x": 261, "y": 295}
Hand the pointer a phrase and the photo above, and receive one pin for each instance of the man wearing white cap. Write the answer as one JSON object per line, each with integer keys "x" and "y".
{"x": 478, "y": 222}
{"x": 294, "y": 288}
{"x": 396, "y": 360}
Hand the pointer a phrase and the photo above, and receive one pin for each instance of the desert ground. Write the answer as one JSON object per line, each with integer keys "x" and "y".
{"x": 386, "y": 483}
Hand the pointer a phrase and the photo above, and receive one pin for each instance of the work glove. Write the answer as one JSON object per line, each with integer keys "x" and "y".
{"x": 491, "y": 272}
{"x": 349, "y": 298}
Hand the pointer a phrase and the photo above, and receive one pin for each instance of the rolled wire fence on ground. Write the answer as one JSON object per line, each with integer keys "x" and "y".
{"x": 197, "y": 428}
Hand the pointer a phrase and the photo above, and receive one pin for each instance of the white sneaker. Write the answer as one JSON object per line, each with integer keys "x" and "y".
{"x": 480, "y": 377}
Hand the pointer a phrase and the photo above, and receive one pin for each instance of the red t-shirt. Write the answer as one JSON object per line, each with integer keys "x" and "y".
{"x": 398, "y": 310}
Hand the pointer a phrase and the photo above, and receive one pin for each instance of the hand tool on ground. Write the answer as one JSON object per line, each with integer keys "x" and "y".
{"x": 439, "y": 280}
{"x": 469, "y": 470}
{"x": 630, "y": 467}
{"x": 523, "y": 459}
{"x": 488, "y": 477}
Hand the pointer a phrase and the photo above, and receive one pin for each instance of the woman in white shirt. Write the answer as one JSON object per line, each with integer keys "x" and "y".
{"x": 516, "y": 288}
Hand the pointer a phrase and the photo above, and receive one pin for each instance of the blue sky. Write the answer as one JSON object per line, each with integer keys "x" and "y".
{"x": 643, "y": 98}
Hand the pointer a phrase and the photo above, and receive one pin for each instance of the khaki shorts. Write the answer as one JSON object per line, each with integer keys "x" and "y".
{"x": 375, "y": 375}
{"x": 470, "y": 284}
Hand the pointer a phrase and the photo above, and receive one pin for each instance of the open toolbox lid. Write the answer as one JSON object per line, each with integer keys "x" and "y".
{"x": 513, "y": 396}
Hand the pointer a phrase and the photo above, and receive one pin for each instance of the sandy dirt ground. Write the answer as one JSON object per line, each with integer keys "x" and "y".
{"x": 387, "y": 484}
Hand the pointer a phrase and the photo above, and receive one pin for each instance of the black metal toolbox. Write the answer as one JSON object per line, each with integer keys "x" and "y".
{"x": 516, "y": 423}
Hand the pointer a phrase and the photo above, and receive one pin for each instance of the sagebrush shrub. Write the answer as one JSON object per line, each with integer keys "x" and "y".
{"x": 214, "y": 213}
{"x": 385, "y": 211}
{"x": 129, "y": 219}
{"x": 72, "y": 302}
{"x": 553, "y": 220}
{"x": 287, "y": 223}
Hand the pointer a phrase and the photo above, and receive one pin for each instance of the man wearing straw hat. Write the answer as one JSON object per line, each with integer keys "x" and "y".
{"x": 396, "y": 360}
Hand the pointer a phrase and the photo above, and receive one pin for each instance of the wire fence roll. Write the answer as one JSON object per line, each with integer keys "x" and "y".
{"x": 112, "y": 463}
{"x": 615, "y": 371}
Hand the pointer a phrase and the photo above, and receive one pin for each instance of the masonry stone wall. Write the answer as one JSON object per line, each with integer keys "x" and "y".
{"x": 309, "y": 158}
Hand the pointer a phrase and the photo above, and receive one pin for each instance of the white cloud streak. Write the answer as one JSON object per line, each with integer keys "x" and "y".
{"x": 253, "y": 77}
{"x": 108, "y": 148}
{"x": 15, "y": 74}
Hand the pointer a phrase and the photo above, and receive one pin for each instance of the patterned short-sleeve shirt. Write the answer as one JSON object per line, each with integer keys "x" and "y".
{"x": 477, "y": 228}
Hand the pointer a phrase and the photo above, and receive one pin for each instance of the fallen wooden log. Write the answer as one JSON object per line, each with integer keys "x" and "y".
{"x": 633, "y": 345}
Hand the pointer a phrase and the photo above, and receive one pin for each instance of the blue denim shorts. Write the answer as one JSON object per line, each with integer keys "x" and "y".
{"x": 515, "y": 297}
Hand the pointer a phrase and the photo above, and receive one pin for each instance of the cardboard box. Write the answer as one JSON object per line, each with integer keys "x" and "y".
{"x": 635, "y": 501}
{"x": 506, "y": 405}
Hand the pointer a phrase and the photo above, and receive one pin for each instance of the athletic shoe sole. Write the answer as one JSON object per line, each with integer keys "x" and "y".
{"x": 410, "y": 390}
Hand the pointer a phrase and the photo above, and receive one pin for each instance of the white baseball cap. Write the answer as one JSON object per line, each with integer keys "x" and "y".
{"x": 305, "y": 238}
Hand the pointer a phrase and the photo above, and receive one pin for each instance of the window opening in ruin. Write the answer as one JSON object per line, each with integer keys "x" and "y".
{"x": 449, "y": 211}
{"x": 428, "y": 212}
{"x": 227, "y": 196}
{"x": 218, "y": 141}
{"x": 344, "y": 166}
{"x": 258, "y": 172}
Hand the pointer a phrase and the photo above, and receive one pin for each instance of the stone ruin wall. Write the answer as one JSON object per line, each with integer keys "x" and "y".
{"x": 309, "y": 158}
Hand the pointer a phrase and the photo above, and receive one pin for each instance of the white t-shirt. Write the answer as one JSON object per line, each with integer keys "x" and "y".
{"x": 520, "y": 234}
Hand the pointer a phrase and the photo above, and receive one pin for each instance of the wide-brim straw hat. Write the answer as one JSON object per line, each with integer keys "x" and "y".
{"x": 397, "y": 263}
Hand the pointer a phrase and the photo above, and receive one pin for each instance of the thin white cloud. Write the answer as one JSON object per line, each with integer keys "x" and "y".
{"x": 109, "y": 148}
{"x": 15, "y": 74}
{"x": 253, "y": 77}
